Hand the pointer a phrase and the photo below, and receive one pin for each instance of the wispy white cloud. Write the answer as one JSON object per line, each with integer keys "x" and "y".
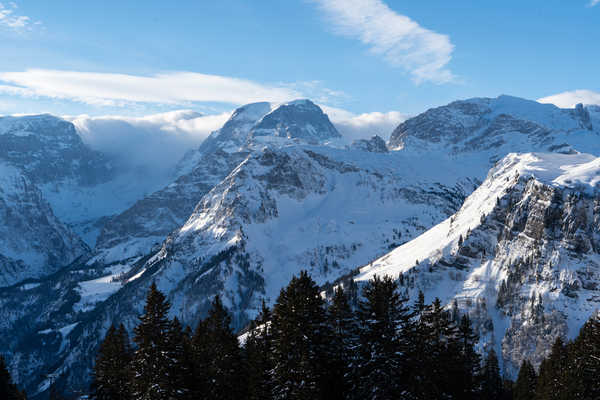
{"x": 9, "y": 18}
{"x": 572, "y": 98}
{"x": 401, "y": 41}
{"x": 594, "y": 3}
{"x": 111, "y": 89}
{"x": 362, "y": 126}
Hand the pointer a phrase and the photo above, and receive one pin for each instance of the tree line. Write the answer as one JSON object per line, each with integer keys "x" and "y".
{"x": 380, "y": 345}
{"x": 306, "y": 347}
{"x": 570, "y": 372}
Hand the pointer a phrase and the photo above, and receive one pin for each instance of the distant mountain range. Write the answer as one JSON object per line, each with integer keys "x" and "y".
{"x": 276, "y": 190}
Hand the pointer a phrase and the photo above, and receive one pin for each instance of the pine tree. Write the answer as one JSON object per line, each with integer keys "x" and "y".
{"x": 8, "y": 390}
{"x": 299, "y": 341}
{"x": 469, "y": 361}
{"x": 583, "y": 369}
{"x": 151, "y": 361}
{"x": 445, "y": 366}
{"x": 417, "y": 356}
{"x": 217, "y": 356}
{"x": 384, "y": 323}
{"x": 343, "y": 346}
{"x": 258, "y": 360}
{"x": 111, "y": 373}
{"x": 552, "y": 375}
{"x": 177, "y": 379}
{"x": 491, "y": 381}
{"x": 524, "y": 388}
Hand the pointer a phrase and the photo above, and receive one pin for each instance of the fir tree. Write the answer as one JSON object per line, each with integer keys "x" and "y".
{"x": 299, "y": 341}
{"x": 217, "y": 356}
{"x": 524, "y": 388}
{"x": 418, "y": 357}
{"x": 343, "y": 346}
{"x": 151, "y": 361}
{"x": 177, "y": 379}
{"x": 469, "y": 361}
{"x": 584, "y": 362}
{"x": 258, "y": 360}
{"x": 384, "y": 323}
{"x": 491, "y": 381}
{"x": 111, "y": 372}
{"x": 551, "y": 379}
{"x": 8, "y": 390}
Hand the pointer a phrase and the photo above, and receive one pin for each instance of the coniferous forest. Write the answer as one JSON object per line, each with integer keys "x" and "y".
{"x": 379, "y": 345}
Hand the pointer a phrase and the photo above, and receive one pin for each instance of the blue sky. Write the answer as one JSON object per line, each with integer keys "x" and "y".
{"x": 357, "y": 57}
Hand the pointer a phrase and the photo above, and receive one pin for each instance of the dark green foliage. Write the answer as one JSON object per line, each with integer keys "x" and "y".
{"x": 111, "y": 371}
{"x": 491, "y": 381}
{"x": 342, "y": 348}
{"x": 465, "y": 376}
{"x": 551, "y": 380}
{"x": 384, "y": 319}
{"x": 8, "y": 390}
{"x": 372, "y": 346}
{"x": 524, "y": 388}
{"x": 299, "y": 341}
{"x": 217, "y": 358}
{"x": 152, "y": 362}
{"x": 257, "y": 356}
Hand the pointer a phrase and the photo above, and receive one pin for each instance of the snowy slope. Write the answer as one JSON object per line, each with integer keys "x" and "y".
{"x": 521, "y": 255}
{"x": 148, "y": 221}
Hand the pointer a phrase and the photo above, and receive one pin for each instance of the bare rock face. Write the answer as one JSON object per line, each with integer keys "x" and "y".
{"x": 376, "y": 144}
{"x": 48, "y": 149}
{"x": 33, "y": 242}
{"x": 520, "y": 257}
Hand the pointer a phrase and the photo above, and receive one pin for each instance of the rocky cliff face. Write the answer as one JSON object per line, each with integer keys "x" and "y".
{"x": 521, "y": 256}
{"x": 49, "y": 150}
{"x": 33, "y": 242}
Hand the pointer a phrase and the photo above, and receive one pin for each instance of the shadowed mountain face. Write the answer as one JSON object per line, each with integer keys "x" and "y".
{"x": 48, "y": 150}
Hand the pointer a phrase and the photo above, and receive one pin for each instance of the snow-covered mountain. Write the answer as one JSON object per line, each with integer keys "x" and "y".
{"x": 521, "y": 256}
{"x": 148, "y": 222}
{"x": 49, "y": 150}
{"x": 33, "y": 242}
{"x": 498, "y": 126}
{"x": 275, "y": 190}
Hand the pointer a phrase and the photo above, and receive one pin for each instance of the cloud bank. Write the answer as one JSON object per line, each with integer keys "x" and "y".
{"x": 401, "y": 41}
{"x": 111, "y": 89}
{"x": 363, "y": 126}
{"x": 154, "y": 142}
{"x": 572, "y": 98}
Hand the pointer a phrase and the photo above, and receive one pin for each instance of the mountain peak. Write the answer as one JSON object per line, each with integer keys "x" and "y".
{"x": 496, "y": 125}
{"x": 298, "y": 119}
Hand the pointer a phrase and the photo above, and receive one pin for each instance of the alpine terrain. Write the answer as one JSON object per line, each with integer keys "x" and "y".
{"x": 277, "y": 190}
